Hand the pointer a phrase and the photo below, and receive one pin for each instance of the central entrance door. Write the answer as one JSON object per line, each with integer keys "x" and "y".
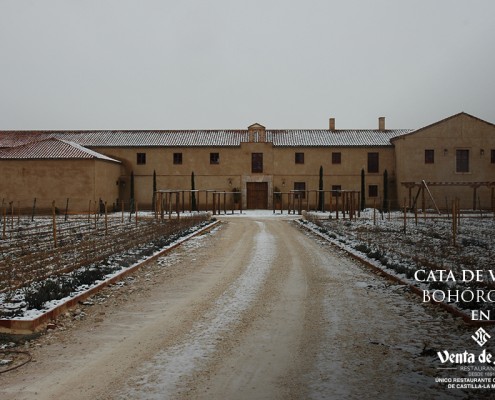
{"x": 257, "y": 195}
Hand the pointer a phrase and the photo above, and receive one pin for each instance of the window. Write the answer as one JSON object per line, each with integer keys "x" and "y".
{"x": 177, "y": 158}
{"x": 141, "y": 158}
{"x": 336, "y": 190}
{"x": 373, "y": 191}
{"x": 336, "y": 158}
{"x": 373, "y": 162}
{"x": 462, "y": 160}
{"x": 256, "y": 162}
{"x": 214, "y": 158}
{"x": 493, "y": 157}
{"x": 299, "y": 158}
{"x": 300, "y": 186}
{"x": 429, "y": 156}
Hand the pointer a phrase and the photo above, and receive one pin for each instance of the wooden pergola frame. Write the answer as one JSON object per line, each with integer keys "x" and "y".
{"x": 424, "y": 186}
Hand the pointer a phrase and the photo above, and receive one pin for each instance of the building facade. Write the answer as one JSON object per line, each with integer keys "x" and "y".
{"x": 455, "y": 157}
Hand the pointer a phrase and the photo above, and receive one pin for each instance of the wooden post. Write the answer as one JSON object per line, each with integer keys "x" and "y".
{"x": 4, "y": 220}
{"x": 351, "y": 214}
{"x": 454, "y": 222}
{"x": 359, "y": 205}
{"x": 374, "y": 211}
{"x": 331, "y": 202}
{"x": 66, "y": 208}
{"x": 474, "y": 197}
{"x": 177, "y": 208}
{"x": 18, "y": 213}
{"x": 344, "y": 204}
{"x": 137, "y": 218}
{"x": 54, "y": 222}
{"x": 416, "y": 214}
{"x": 12, "y": 216}
{"x": 405, "y": 217}
{"x": 34, "y": 209}
{"x": 225, "y": 202}
{"x": 96, "y": 214}
{"x": 458, "y": 209}
{"x": 122, "y": 206}
{"x": 337, "y": 206}
{"x": 106, "y": 219}
{"x": 423, "y": 200}
{"x": 89, "y": 213}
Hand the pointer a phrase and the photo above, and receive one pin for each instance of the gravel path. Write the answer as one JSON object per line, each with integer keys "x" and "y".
{"x": 257, "y": 309}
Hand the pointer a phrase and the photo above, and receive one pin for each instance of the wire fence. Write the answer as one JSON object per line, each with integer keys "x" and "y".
{"x": 31, "y": 251}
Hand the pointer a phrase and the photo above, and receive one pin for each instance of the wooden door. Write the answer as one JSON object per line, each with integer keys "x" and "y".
{"x": 257, "y": 195}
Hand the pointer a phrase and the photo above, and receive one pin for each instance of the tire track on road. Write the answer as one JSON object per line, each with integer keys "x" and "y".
{"x": 162, "y": 375}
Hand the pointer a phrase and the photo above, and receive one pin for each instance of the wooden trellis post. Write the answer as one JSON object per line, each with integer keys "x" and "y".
{"x": 106, "y": 219}
{"x": 337, "y": 205}
{"x": 4, "y": 213}
{"x": 66, "y": 209}
{"x": 454, "y": 222}
{"x": 34, "y": 209}
{"x": 89, "y": 212}
{"x": 12, "y": 216}
{"x": 137, "y": 218}
{"x": 374, "y": 211}
{"x": 54, "y": 220}
{"x": 331, "y": 202}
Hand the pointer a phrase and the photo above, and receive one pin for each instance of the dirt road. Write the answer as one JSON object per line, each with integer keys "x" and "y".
{"x": 255, "y": 310}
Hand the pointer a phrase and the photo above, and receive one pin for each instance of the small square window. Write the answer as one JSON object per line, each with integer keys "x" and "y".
{"x": 214, "y": 158}
{"x": 300, "y": 188}
{"x": 299, "y": 158}
{"x": 373, "y": 191}
{"x": 336, "y": 158}
{"x": 429, "y": 156}
{"x": 336, "y": 190}
{"x": 177, "y": 158}
{"x": 493, "y": 156}
{"x": 141, "y": 158}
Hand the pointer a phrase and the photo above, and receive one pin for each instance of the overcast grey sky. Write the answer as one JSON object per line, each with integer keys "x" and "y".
{"x": 193, "y": 64}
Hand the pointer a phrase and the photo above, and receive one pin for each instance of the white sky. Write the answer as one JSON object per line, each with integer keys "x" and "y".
{"x": 224, "y": 64}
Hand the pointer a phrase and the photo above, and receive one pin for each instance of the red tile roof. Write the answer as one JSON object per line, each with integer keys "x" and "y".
{"x": 51, "y": 148}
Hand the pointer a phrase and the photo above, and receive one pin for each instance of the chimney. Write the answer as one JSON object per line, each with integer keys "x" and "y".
{"x": 381, "y": 123}
{"x": 332, "y": 124}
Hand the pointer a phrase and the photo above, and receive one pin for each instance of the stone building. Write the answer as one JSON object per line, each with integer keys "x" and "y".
{"x": 456, "y": 156}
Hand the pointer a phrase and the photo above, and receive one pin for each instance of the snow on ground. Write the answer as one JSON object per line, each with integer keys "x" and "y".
{"x": 31, "y": 314}
{"x": 160, "y": 376}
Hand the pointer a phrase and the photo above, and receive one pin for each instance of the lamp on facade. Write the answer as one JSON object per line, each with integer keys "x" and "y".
{"x": 230, "y": 181}
{"x": 283, "y": 182}
{"x": 445, "y": 152}
{"x": 482, "y": 152}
